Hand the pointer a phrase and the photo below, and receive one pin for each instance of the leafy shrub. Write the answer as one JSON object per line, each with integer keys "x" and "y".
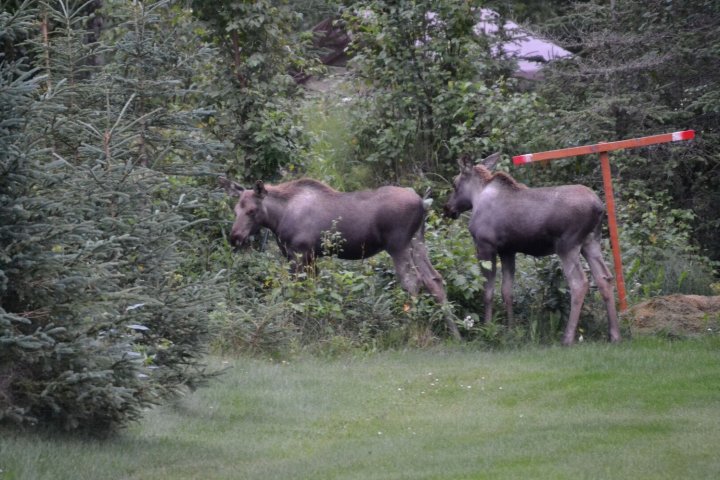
{"x": 430, "y": 88}
{"x": 328, "y": 121}
{"x": 359, "y": 301}
{"x": 253, "y": 90}
{"x": 658, "y": 253}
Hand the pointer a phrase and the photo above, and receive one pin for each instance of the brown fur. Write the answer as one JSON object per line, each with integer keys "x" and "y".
{"x": 294, "y": 187}
{"x": 502, "y": 177}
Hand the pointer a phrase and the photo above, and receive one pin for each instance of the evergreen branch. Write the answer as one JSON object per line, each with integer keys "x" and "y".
{"x": 122, "y": 112}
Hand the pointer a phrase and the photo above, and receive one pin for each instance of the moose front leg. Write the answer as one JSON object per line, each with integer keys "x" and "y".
{"x": 489, "y": 274}
{"x": 302, "y": 262}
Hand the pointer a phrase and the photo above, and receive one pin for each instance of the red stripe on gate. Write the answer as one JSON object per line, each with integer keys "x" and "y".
{"x": 684, "y": 135}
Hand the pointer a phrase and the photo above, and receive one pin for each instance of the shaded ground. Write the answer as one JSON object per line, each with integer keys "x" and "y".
{"x": 676, "y": 315}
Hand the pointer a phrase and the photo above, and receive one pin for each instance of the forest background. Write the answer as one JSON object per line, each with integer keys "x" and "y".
{"x": 116, "y": 117}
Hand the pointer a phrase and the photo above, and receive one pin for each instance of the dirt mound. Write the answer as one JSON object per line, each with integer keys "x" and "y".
{"x": 676, "y": 315}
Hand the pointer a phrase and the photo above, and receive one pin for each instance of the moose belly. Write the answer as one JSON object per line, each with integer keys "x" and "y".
{"x": 347, "y": 250}
{"x": 359, "y": 251}
{"x": 534, "y": 247}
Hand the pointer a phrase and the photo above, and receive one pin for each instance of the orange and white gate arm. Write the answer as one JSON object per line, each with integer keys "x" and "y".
{"x": 602, "y": 150}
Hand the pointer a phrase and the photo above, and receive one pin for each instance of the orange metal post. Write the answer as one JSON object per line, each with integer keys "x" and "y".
{"x": 612, "y": 227}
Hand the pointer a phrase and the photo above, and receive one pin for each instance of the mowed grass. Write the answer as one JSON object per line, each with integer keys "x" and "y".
{"x": 645, "y": 409}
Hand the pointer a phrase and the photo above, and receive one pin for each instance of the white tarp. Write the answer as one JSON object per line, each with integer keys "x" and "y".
{"x": 523, "y": 46}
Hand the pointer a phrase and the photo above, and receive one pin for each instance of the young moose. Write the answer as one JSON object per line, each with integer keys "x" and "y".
{"x": 508, "y": 218}
{"x": 301, "y": 211}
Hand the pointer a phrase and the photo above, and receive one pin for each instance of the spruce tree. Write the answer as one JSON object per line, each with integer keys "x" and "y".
{"x": 63, "y": 359}
{"x": 149, "y": 130}
{"x": 99, "y": 317}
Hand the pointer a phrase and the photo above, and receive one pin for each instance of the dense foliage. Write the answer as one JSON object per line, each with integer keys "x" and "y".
{"x": 260, "y": 53}
{"x": 641, "y": 69}
{"x": 433, "y": 86}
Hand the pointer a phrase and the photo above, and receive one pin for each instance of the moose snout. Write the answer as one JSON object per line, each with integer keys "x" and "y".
{"x": 237, "y": 240}
{"x": 450, "y": 211}
{"x": 242, "y": 233}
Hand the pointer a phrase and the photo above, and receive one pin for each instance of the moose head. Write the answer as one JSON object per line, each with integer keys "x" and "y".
{"x": 250, "y": 213}
{"x": 468, "y": 182}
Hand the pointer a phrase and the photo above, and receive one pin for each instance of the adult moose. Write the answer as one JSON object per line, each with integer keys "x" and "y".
{"x": 299, "y": 212}
{"x": 508, "y": 218}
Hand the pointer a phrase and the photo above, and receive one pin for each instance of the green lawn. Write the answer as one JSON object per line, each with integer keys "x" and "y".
{"x": 645, "y": 409}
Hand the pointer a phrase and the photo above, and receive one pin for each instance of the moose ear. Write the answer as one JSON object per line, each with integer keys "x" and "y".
{"x": 491, "y": 161}
{"x": 466, "y": 163}
{"x": 233, "y": 189}
{"x": 260, "y": 190}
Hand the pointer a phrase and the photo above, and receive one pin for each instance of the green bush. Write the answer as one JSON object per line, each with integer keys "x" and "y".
{"x": 659, "y": 256}
{"x": 358, "y": 301}
{"x": 430, "y": 89}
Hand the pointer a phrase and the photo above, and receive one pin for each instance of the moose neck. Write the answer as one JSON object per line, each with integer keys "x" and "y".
{"x": 274, "y": 206}
{"x": 483, "y": 192}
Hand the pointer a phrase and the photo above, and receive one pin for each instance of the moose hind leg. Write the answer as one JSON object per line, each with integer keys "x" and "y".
{"x": 600, "y": 272}
{"x": 578, "y": 283}
{"x": 429, "y": 277}
{"x": 405, "y": 271}
{"x": 411, "y": 275}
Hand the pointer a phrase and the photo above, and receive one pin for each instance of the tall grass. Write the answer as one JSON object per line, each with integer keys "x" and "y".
{"x": 645, "y": 409}
{"x": 332, "y": 158}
